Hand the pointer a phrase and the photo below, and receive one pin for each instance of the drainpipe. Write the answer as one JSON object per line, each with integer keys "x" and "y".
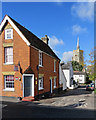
{"x": 38, "y": 80}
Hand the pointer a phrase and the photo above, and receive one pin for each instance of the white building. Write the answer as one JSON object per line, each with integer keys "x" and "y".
{"x": 68, "y": 72}
{"x": 79, "y": 76}
{"x": 62, "y": 78}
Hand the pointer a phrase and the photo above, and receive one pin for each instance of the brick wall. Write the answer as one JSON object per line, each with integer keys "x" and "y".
{"x": 47, "y": 70}
{"x": 0, "y": 66}
{"x": 20, "y": 53}
{"x": 28, "y": 56}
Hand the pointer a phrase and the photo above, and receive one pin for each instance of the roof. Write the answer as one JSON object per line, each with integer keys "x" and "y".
{"x": 34, "y": 40}
{"x": 79, "y": 73}
{"x": 29, "y": 70}
{"x": 66, "y": 66}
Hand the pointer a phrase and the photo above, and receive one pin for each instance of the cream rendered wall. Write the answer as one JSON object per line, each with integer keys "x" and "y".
{"x": 62, "y": 79}
{"x": 67, "y": 76}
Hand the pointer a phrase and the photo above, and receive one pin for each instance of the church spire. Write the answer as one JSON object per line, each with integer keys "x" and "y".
{"x": 78, "y": 47}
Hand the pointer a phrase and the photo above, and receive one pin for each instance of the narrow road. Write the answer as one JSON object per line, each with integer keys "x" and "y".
{"x": 77, "y": 103}
{"x": 77, "y": 98}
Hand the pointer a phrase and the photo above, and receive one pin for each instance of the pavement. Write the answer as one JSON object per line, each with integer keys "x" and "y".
{"x": 10, "y": 99}
{"x": 77, "y": 103}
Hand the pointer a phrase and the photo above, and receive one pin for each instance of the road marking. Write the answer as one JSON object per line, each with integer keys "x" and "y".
{"x": 2, "y": 105}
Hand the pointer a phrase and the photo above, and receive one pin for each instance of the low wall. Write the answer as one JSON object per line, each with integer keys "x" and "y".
{"x": 73, "y": 86}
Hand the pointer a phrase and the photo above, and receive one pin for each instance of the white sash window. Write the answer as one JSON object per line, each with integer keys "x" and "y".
{"x": 9, "y": 34}
{"x": 9, "y": 82}
{"x": 54, "y": 65}
{"x": 54, "y": 82}
{"x": 41, "y": 83}
{"x": 9, "y": 55}
{"x": 40, "y": 58}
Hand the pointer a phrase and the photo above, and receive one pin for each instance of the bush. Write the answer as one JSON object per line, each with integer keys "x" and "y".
{"x": 95, "y": 90}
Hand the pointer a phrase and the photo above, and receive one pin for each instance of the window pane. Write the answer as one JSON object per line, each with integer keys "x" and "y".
{"x": 9, "y": 34}
{"x": 9, "y": 81}
{"x": 40, "y": 83}
{"x": 8, "y": 31}
{"x": 54, "y": 82}
{"x": 40, "y": 58}
{"x": 9, "y": 55}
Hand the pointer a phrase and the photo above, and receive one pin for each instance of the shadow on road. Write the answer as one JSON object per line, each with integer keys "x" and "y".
{"x": 82, "y": 86}
{"x": 78, "y": 91}
{"x": 30, "y": 110}
{"x": 35, "y": 110}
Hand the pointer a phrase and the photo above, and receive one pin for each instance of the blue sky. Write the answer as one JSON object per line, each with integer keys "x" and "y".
{"x": 62, "y": 22}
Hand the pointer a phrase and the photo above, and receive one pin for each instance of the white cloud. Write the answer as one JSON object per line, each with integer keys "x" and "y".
{"x": 85, "y": 11}
{"x": 67, "y": 56}
{"x": 77, "y": 29}
{"x": 53, "y": 41}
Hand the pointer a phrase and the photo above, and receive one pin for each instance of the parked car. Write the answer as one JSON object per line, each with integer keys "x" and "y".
{"x": 90, "y": 86}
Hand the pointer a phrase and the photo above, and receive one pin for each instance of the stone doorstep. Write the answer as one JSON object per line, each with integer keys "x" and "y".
{"x": 30, "y": 98}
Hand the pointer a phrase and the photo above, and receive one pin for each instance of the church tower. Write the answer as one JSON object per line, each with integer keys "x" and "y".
{"x": 78, "y": 54}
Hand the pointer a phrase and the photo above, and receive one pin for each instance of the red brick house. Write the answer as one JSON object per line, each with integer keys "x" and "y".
{"x": 29, "y": 66}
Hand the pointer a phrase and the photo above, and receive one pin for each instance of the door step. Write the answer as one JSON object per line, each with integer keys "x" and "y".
{"x": 30, "y": 98}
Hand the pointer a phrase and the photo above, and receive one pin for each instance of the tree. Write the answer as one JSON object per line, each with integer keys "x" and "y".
{"x": 77, "y": 66}
{"x": 91, "y": 68}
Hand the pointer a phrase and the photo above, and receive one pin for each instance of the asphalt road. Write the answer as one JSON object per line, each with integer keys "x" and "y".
{"x": 53, "y": 107}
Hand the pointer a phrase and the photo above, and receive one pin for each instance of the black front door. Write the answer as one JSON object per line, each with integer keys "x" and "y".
{"x": 27, "y": 86}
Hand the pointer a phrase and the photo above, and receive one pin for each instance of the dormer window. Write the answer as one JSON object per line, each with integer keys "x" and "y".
{"x": 9, "y": 34}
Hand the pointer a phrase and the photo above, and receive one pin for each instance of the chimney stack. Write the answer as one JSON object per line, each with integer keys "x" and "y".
{"x": 45, "y": 39}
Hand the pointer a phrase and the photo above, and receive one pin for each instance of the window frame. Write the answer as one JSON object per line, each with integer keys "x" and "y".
{"x": 55, "y": 82}
{"x": 7, "y": 88}
{"x": 54, "y": 65}
{"x": 5, "y": 55}
{"x": 41, "y": 88}
{"x": 40, "y": 58}
{"x": 80, "y": 76}
{"x": 11, "y": 36}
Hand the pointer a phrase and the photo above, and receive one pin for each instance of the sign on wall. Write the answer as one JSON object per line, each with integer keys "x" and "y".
{"x": 16, "y": 78}
{"x": 15, "y": 67}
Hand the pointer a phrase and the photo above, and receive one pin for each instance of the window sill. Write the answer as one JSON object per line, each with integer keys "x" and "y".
{"x": 40, "y": 66}
{"x": 8, "y": 64}
{"x": 41, "y": 89}
{"x": 9, "y": 90}
{"x": 54, "y": 86}
{"x": 8, "y": 38}
{"x": 55, "y": 71}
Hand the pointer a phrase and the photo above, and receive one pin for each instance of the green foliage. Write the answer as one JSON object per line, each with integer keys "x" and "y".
{"x": 95, "y": 90}
{"x": 92, "y": 76}
{"x": 91, "y": 68}
{"x": 76, "y": 66}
